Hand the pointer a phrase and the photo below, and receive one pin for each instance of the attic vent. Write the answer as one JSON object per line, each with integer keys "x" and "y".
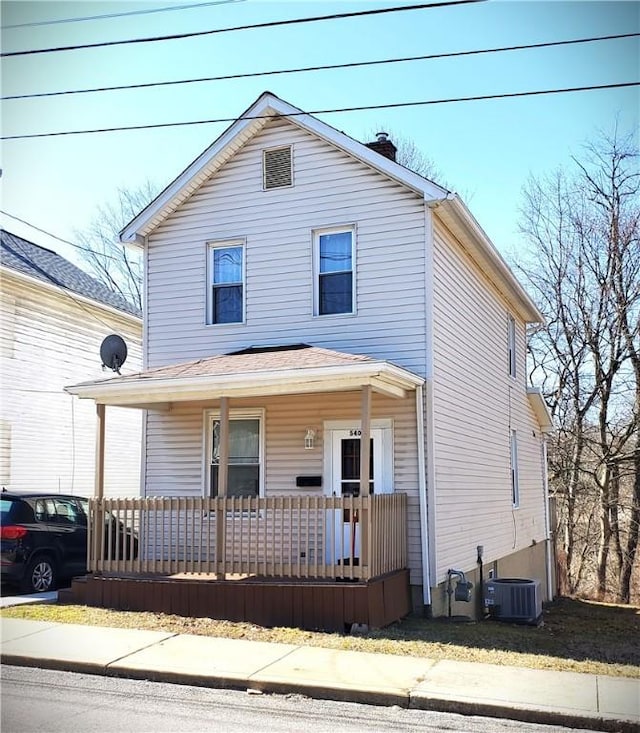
{"x": 277, "y": 168}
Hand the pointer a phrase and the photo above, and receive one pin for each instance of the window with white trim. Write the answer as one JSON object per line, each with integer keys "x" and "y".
{"x": 225, "y": 287}
{"x": 334, "y": 271}
{"x": 511, "y": 345}
{"x": 245, "y": 468}
{"x": 515, "y": 488}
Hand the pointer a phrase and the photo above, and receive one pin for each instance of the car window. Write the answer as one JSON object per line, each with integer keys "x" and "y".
{"x": 14, "y": 511}
{"x": 82, "y": 506}
{"x": 45, "y": 510}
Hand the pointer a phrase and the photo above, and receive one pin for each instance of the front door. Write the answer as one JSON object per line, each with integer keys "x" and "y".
{"x": 345, "y": 480}
{"x": 343, "y": 446}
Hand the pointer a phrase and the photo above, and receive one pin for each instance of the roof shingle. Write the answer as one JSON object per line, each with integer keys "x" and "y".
{"x": 30, "y": 259}
{"x": 254, "y": 360}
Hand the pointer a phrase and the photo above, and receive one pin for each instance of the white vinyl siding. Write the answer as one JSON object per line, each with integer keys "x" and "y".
{"x": 177, "y": 460}
{"x": 48, "y": 438}
{"x": 331, "y": 189}
{"x": 476, "y": 405}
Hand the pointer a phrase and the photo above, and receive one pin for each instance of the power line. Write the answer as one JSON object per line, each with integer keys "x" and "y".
{"x": 108, "y": 16}
{"x": 392, "y": 105}
{"x": 349, "y": 65}
{"x": 59, "y": 239}
{"x": 253, "y": 26}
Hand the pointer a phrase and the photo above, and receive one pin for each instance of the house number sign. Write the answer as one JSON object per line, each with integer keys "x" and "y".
{"x": 355, "y": 433}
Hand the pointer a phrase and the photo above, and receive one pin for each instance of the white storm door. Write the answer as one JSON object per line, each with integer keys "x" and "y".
{"x": 343, "y": 533}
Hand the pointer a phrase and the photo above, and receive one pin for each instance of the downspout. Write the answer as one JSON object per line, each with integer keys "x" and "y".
{"x": 422, "y": 489}
{"x": 547, "y": 529}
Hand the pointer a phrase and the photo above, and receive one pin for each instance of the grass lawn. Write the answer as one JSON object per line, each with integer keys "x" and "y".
{"x": 577, "y": 636}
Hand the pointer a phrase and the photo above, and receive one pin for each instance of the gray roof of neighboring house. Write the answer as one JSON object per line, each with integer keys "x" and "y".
{"x": 30, "y": 259}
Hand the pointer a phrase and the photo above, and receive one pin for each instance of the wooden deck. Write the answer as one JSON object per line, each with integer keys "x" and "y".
{"x": 313, "y": 605}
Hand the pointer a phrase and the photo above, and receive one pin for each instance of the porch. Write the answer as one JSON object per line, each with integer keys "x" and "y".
{"x": 295, "y": 448}
{"x": 307, "y": 561}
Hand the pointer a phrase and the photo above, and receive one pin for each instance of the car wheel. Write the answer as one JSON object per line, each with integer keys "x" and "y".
{"x": 41, "y": 575}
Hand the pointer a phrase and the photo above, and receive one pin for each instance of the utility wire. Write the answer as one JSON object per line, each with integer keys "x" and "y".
{"x": 108, "y": 16}
{"x": 361, "y": 108}
{"x": 60, "y": 239}
{"x": 269, "y": 24}
{"x": 349, "y": 65}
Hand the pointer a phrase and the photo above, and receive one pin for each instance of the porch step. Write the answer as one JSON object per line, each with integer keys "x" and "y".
{"x": 75, "y": 595}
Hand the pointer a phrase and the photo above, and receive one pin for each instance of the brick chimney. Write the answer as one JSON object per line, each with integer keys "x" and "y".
{"x": 383, "y": 145}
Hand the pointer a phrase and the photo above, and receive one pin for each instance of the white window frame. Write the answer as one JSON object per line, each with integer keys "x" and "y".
{"x": 212, "y": 246}
{"x": 515, "y": 481}
{"x": 317, "y": 233}
{"x": 511, "y": 346}
{"x": 209, "y": 416}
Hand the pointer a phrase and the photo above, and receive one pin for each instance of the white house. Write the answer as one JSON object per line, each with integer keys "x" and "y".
{"x": 54, "y": 318}
{"x": 305, "y": 291}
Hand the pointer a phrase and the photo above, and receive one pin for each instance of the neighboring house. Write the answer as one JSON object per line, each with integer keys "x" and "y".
{"x": 54, "y": 318}
{"x": 302, "y": 290}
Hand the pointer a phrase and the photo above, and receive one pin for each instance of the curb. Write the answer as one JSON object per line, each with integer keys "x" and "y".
{"x": 340, "y": 694}
{"x": 525, "y": 714}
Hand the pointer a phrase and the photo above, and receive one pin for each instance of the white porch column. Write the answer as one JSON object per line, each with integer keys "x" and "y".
{"x": 98, "y": 490}
{"x": 95, "y": 534}
{"x": 365, "y": 440}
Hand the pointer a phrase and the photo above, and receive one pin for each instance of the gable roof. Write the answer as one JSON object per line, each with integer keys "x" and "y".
{"x": 293, "y": 369}
{"x": 447, "y": 206}
{"x": 250, "y": 122}
{"x": 43, "y": 264}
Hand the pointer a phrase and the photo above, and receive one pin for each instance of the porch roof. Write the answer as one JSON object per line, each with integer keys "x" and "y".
{"x": 253, "y": 372}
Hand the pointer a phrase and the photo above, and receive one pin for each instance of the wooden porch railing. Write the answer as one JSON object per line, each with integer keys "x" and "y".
{"x": 284, "y": 537}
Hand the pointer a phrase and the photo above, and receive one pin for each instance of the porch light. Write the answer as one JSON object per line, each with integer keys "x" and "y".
{"x": 309, "y": 439}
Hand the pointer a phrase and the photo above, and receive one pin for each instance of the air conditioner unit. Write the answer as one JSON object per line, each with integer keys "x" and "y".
{"x": 513, "y": 599}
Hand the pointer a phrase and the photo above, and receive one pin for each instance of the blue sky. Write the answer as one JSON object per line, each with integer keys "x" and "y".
{"x": 485, "y": 149}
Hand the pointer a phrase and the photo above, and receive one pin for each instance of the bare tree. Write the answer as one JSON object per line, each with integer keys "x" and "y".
{"x": 411, "y": 156}
{"x": 584, "y": 231}
{"x": 117, "y": 266}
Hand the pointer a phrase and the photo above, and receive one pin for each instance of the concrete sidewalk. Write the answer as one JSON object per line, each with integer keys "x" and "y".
{"x": 595, "y": 702}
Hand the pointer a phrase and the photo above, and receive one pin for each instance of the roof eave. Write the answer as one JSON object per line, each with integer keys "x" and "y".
{"x": 73, "y": 294}
{"x": 540, "y": 410}
{"x": 381, "y": 376}
{"x": 484, "y": 252}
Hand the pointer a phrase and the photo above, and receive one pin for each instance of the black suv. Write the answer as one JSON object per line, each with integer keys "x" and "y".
{"x": 43, "y": 537}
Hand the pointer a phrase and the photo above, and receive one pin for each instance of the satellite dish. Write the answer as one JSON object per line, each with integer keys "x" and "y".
{"x": 113, "y": 352}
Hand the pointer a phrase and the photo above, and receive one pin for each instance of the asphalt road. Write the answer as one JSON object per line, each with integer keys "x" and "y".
{"x": 65, "y": 702}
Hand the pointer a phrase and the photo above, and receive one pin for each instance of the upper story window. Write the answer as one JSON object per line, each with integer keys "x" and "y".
{"x": 335, "y": 282}
{"x": 277, "y": 169}
{"x": 225, "y": 298}
{"x": 515, "y": 488}
{"x": 511, "y": 345}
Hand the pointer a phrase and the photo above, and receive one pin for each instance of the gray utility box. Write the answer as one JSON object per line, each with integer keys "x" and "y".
{"x": 513, "y": 599}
